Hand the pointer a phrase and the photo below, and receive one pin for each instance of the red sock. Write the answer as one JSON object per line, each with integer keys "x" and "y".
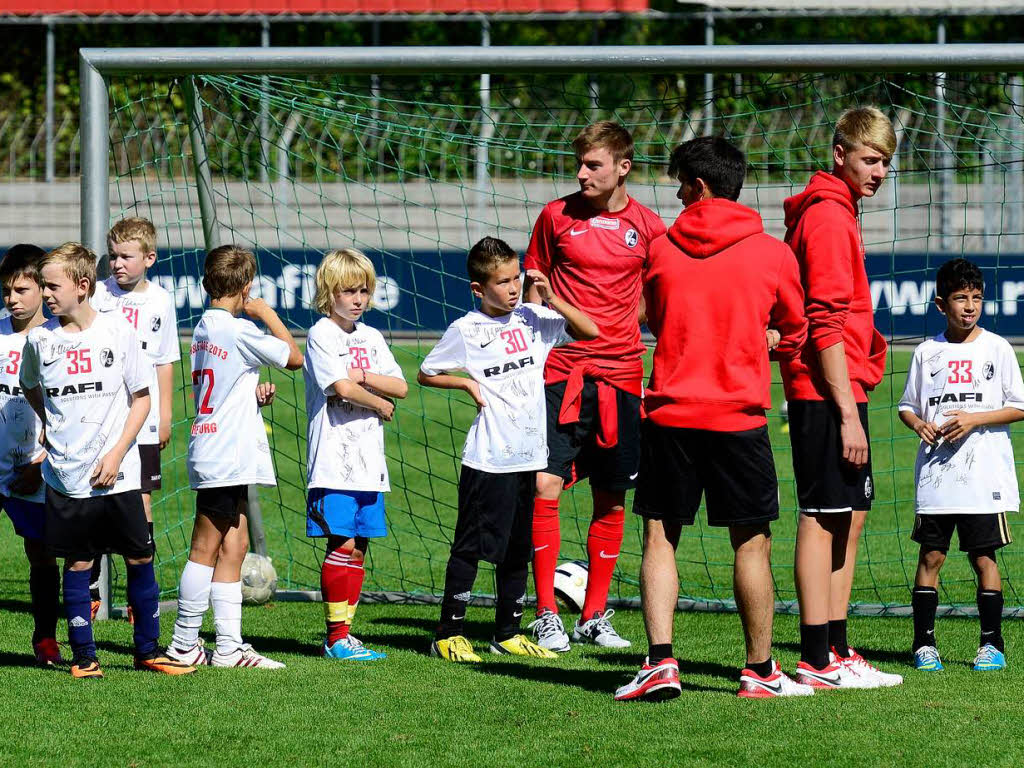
{"x": 604, "y": 540}
{"x": 334, "y": 579}
{"x": 355, "y": 585}
{"x": 546, "y": 542}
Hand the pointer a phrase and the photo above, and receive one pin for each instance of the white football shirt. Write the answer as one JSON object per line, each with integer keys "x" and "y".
{"x": 150, "y": 313}
{"x": 87, "y": 379}
{"x": 505, "y": 356}
{"x": 975, "y": 475}
{"x": 228, "y": 444}
{"x": 19, "y": 425}
{"x": 346, "y": 441}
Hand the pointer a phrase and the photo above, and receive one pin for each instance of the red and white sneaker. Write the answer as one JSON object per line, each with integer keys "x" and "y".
{"x": 835, "y": 675}
{"x": 245, "y": 656}
{"x": 652, "y": 683}
{"x": 47, "y": 652}
{"x": 196, "y": 656}
{"x": 778, "y": 683}
{"x": 867, "y": 671}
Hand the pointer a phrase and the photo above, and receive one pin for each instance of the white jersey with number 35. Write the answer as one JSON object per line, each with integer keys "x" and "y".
{"x": 228, "y": 443}
{"x": 19, "y": 425}
{"x": 975, "y": 475}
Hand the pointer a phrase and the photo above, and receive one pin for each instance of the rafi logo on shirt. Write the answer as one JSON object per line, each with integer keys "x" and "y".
{"x": 632, "y": 238}
{"x": 988, "y": 371}
{"x": 154, "y": 324}
{"x": 107, "y": 357}
{"x": 511, "y": 365}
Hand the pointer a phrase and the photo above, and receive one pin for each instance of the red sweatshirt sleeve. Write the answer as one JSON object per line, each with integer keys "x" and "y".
{"x": 787, "y": 315}
{"x": 542, "y": 243}
{"x": 828, "y": 274}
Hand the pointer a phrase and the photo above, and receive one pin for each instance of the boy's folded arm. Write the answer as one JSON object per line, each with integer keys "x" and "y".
{"x": 392, "y": 386}
{"x": 350, "y": 390}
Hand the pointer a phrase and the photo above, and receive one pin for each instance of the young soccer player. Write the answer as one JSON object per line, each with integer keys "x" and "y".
{"x": 227, "y": 452}
{"x": 827, "y": 389}
{"x": 964, "y": 389}
{"x": 350, "y": 374}
{"x": 502, "y": 347}
{"x": 84, "y": 375}
{"x": 21, "y": 485}
{"x": 149, "y": 310}
{"x": 715, "y": 276}
{"x": 592, "y": 246}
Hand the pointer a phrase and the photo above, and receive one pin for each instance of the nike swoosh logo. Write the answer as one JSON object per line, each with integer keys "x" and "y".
{"x": 487, "y": 342}
{"x": 603, "y": 556}
{"x": 777, "y": 688}
{"x": 574, "y": 232}
{"x": 517, "y": 614}
{"x": 634, "y": 476}
{"x": 458, "y": 618}
{"x": 936, "y": 373}
{"x": 542, "y": 546}
{"x": 51, "y": 362}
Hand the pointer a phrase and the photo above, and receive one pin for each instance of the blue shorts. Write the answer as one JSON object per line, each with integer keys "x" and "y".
{"x": 345, "y": 513}
{"x": 28, "y": 517}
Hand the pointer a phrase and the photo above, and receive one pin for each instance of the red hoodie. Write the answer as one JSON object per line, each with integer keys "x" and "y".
{"x": 714, "y": 283}
{"x": 821, "y": 228}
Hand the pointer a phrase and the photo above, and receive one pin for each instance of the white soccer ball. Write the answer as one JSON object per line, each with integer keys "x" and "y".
{"x": 259, "y": 579}
{"x": 571, "y": 584}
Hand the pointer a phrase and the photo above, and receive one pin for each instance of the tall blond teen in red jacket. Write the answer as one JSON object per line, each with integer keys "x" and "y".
{"x": 827, "y": 388}
{"x": 713, "y": 285}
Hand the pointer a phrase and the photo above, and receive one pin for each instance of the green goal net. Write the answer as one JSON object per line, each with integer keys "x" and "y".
{"x": 412, "y": 170}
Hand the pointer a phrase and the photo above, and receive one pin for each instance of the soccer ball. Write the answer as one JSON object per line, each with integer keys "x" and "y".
{"x": 571, "y": 584}
{"x": 259, "y": 579}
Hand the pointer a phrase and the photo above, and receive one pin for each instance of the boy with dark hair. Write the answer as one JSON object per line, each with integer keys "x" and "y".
{"x": 827, "y": 389}
{"x": 716, "y": 275}
{"x": 84, "y": 375}
{"x": 502, "y": 346}
{"x": 227, "y": 452}
{"x": 21, "y": 485}
{"x": 964, "y": 389}
{"x": 592, "y": 246}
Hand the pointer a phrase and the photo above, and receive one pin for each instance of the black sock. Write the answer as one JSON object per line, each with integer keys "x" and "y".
{"x": 658, "y": 653}
{"x": 510, "y": 581}
{"x": 924, "y": 601}
{"x": 44, "y": 588}
{"x": 814, "y": 645}
{"x": 762, "y": 668}
{"x": 837, "y": 638}
{"x": 94, "y": 579}
{"x": 990, "y": 611}
{"x": 458, "y": 584}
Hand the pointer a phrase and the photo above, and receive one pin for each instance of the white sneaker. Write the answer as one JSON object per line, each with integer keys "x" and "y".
{"x": 599, "y": 631}
{"x": 868, "y": 671}
{"x": 196, "y": 656}
{"x": 549, "y": 632}
{"x": 245, "y": 656}
{"x": 835, "y": 675}
{"x": 778, "y": 683}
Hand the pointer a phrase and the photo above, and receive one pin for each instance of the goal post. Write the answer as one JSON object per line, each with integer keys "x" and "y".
{"x": 963, "y": 158}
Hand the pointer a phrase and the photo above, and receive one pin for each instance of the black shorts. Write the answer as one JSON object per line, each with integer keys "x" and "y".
{"x": 734, "y": 470}
{"x": 84, "y": 529}
{"x": 495, "y": 516}
{"x": 149, "y": 461}
{"x": 225, "y": 503}
{"x": 824, "y": 481}
{"x": 977, "y": 533}
{"x": 573, "y": 453}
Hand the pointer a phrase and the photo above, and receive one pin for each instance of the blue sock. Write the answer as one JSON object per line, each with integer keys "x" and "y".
{"x": 78, "y": 609}
{"x": 144, "y": 598}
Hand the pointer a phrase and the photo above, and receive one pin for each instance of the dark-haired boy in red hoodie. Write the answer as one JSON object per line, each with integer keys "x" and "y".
{"x": 826, "y": 387}
{"x": 712, "y": 286}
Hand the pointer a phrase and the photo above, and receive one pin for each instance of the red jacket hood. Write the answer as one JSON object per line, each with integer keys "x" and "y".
{"x": 822, "y": 186}
{"x": 710, "y": 226}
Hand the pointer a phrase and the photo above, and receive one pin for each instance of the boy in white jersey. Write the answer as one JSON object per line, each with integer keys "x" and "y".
{"x": 349, "y": 373}
{"x": 21, "y": 456}
{"x": 227, "y": 452}
{"x": 149, "y": 310}
{"x": 84, "y": 375}
{"x": 963, "y": 389}
{"x": 503, "y": 347}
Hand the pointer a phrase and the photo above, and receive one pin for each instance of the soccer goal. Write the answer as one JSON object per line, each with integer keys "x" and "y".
{"x": 411, "y": 154}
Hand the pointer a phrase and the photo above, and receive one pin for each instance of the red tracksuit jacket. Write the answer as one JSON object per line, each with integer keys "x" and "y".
{"x": 821, "y": 228}
{"x": 713, "y": 284}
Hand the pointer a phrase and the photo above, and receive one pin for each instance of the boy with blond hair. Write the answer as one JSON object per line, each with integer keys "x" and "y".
{"x": 350, "y": 374}
{"x": 227, "y": 452}
{"x": 84, "y": 375}
{"x": 149, "y": 310}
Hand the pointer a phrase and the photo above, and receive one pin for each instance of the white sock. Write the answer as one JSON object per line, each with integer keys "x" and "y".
{"x": 193, "y": 600}
{"x": 226, "y": 598}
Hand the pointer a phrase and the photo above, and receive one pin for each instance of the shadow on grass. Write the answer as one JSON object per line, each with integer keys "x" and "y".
{"x": 473, "y": 628}
{"x": 596, "y": 681}
{"x": 686, "y": 666}
{"x": 271, "y": 645}
{"x": 8, "y": 659}
{"x": 16, "y": 606}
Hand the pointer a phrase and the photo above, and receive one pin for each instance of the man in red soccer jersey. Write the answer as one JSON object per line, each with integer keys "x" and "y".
{"x": 711, "y": 286}
{"x": 592, "y": 245}
{"x": 826, "y": 387}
